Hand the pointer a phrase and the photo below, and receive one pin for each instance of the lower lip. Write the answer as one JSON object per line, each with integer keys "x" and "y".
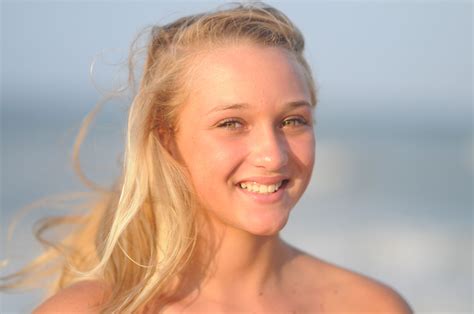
{"x": 267, "y": 198}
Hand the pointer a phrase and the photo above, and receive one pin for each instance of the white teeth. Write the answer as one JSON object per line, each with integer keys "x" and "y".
{"x": 272, "y": 188}
{"x": 260, "y": 188}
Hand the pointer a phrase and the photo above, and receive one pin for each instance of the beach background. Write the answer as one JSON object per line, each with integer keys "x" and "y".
{"x": 391, "y": 194}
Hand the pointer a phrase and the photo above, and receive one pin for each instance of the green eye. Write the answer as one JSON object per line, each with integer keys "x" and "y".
{"x": 230, "y": 124}
{"x": 292, "y": 122}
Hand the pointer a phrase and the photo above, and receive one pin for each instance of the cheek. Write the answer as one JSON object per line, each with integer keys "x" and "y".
{"x": 303, "y": 151}
{"x": 210, "y": 160}
{"x": 211, "y": 166}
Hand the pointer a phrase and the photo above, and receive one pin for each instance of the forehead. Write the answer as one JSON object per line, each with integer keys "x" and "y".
{"x": 247, "y": 73}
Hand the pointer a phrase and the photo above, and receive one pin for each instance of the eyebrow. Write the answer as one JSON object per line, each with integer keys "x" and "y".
{"x": 291, "y": 105}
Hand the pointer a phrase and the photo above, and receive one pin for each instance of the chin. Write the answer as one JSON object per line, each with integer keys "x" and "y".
{"x": 267, "y": 227}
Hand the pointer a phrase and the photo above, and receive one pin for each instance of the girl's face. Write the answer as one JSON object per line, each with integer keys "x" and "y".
{"x": 246, "y": 136}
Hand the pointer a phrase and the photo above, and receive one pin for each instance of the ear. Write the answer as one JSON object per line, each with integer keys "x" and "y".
{"x": 167, "y": 140}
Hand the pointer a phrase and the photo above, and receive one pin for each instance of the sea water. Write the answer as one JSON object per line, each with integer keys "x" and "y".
{"x": 393, "y": 203}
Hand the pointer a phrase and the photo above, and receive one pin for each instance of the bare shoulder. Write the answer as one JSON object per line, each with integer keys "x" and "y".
{"x": 81, "y": 297}
{"x": 342, "y": 290}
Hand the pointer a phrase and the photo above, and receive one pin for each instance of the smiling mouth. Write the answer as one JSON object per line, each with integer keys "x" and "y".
{"x": 262, "y": 188}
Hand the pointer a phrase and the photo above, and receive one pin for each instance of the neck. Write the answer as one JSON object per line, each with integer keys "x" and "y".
{"x": 243, "y": 263}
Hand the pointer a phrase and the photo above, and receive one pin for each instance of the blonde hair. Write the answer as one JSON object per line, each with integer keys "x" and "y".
{"x": 141, "y": 235}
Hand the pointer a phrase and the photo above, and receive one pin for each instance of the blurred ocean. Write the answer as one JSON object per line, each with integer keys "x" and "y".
{"x": 391, "y": 195}
{"x": 389, "y": 198}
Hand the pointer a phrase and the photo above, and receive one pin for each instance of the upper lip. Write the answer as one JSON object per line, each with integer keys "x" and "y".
{"x": 264, "y": 180}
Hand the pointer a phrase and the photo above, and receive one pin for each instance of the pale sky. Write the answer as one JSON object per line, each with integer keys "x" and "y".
{"x": 401, "y": 56}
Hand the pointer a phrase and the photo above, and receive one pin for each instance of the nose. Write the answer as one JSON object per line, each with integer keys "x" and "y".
{"x": 269, "y": 149}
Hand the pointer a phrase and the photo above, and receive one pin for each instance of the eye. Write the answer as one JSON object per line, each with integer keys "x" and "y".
{"x": 293, "y": 122}
{"x": 231, "y": 124}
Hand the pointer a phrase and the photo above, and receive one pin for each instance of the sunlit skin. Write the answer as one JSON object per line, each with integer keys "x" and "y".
{"x": 248, "y": 118}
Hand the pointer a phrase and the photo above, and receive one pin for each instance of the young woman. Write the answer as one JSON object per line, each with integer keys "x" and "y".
{"x": 220, "y": 147}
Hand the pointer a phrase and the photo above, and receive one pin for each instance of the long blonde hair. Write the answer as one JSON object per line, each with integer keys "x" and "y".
{"x": 140, "y": 235}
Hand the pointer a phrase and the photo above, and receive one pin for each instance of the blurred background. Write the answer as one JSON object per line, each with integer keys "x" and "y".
{"x": 391, "y": 195}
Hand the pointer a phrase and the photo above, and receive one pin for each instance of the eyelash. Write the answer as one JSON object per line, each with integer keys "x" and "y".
{"x": 300, "y": 121}
{"x": 231, "y": 123}
{"x": 226, "y": 124}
